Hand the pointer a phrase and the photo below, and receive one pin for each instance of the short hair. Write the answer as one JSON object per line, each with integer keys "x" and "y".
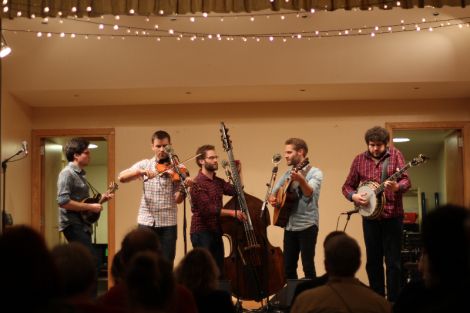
{"x": 298, "y": 144}
{"x": 75, "y": 146}
{"x": 160, "y": 134}
{"x": 198, "y": 271}
{"x": 377, "y": 134}
{"x": 138, "y": 240}
{"x": 331, "y": 235}
{"x": 77, "y": 268}
{"x": 342, "y": 256}
{"x": 150, "y": 281}
{"x": 203, "y": 151}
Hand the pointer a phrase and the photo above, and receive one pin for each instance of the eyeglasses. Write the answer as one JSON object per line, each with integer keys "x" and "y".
{"x": 212, "y": 157}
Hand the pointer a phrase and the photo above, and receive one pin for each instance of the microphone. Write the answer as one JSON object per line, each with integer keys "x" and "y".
{"x": 277, "y": 159}
{"x": 350, "y": 212}
{"x": 24, "y": 147}
{"x": 226, "y": 168}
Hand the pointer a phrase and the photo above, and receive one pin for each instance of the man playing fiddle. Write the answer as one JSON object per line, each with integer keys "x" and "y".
{"x": 161, "y": 194}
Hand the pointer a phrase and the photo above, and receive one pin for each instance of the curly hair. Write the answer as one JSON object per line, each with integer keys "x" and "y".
{"x": 377, "y": 134}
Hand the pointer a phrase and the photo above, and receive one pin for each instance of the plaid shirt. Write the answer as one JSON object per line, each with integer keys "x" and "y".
{"x": 206, "y": 198}
{"x": 157, "y": 205}
{"x": 365, "y": 169}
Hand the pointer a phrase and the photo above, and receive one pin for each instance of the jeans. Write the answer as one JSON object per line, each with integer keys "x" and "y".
{"x": 212, "y": 242}
{"x": 383, "y": 240}
{"x": 79, "y": 233}
{"x": 167, "y": 236}
{"x": 302, "y": 242}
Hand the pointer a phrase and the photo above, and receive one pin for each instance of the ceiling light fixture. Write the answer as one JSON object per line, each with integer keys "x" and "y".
{"x": 401, "y": 139}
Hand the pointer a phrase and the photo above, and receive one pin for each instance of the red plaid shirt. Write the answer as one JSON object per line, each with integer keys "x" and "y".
{"x": 206, "y": 198}
{"x": 365, "y": 169}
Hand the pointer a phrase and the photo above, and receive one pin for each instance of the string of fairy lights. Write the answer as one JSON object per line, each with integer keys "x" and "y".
{"x": 118, "y": 29}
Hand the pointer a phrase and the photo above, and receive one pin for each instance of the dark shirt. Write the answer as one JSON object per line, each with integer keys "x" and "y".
{"x": 365, "y": 169}
{"x": 206, "y": 198}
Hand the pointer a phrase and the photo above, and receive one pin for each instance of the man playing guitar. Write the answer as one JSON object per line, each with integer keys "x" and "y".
{"x": 301, "y": 228}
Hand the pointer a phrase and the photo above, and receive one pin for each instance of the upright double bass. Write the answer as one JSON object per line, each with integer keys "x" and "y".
{"x": 254, "y": 267}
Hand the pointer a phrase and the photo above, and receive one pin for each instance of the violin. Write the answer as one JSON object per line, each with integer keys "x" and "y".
{"x": 168, "y": 169}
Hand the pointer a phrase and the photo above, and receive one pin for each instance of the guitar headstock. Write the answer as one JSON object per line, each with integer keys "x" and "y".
{"x": 112, "y": 187}
{"x": 225, "y": 137}
{"x": 419, "y": 160}
{"x": 301, "y": 165}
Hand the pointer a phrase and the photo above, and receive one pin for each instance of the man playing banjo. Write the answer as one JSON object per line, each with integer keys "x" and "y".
{"x": 382, "y": 212}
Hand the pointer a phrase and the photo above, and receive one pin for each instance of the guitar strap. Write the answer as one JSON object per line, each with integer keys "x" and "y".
{"x": 384, "y": 169}
{"x": 93, "y": 189}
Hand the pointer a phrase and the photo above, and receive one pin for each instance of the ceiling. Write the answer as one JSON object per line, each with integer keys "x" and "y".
{"x": 125, "y": 68}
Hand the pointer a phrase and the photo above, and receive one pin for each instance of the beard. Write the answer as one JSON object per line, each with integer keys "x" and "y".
{"x": 211, "y": 167}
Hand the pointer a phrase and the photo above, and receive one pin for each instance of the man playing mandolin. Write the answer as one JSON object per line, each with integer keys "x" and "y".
{"x": 383, "y": 222}
{"x": 72, "y": 189}
{"x": 298, "y": 192}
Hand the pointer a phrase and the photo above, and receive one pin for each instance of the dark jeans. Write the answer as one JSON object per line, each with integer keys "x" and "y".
{"x": 167, "y": 236}
{"x": 79, "y": 233}
{"x": 302, "y": 242}
{"x": 383, "y": 240}
{"x": 212, "y": 242}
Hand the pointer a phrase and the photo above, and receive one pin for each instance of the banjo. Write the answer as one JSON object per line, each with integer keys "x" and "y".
{"x": 375, "y": 191}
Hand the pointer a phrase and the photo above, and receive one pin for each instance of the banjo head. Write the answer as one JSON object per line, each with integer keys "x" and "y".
{"x": 369, "y": 210}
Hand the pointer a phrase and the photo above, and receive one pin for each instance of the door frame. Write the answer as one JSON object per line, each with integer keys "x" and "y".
{"x": 38, "y": 136}
{"x": 464, "y": 127}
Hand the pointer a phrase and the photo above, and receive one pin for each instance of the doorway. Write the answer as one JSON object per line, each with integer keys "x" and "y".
{"x": 445, "y": 178}
{"x": 48, "y": 161}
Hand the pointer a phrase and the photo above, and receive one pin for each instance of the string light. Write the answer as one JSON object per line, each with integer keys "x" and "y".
{"x": 423, "y": 24}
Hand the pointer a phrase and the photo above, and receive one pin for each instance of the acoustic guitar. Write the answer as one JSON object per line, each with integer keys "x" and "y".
{"x": 90, "y": 217}
{"x": 287, "y": 198}
{"x": 375, "y": 191}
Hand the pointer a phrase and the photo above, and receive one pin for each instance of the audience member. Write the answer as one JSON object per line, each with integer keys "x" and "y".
{"x": 151, "y": 283}
{"x": 198, "y": 271}
{"x": 319, "y": 280}
{"x": 343, "y": 292}
{"x": 444, "y": 264}
{"x": 142, "y": 240}
{"x": 117, "y": 268}
{"x": 77, "y": 272}
{"x": 29, "y": 278}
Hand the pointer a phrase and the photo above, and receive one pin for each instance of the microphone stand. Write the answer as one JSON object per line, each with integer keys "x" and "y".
{"x": 174, "y": 161}
{"x": 348, "y": 213}
{"x": 6, "y": 218}
{"x": 270, "y": 186}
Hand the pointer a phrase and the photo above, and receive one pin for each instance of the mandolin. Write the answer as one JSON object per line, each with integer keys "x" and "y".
{"x": 90, "y": 217}
{"x": 287, "y": 198}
